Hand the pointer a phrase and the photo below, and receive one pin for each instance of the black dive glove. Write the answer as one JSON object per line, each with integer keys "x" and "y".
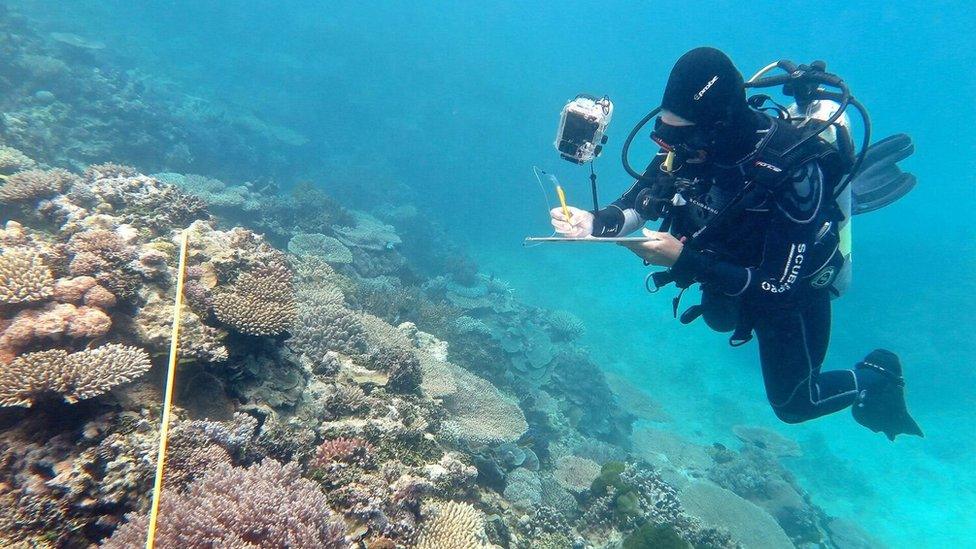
{"x": 652, "y": 203}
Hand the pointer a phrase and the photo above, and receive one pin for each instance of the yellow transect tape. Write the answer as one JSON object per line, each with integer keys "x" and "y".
{"x": 168, "y": 395}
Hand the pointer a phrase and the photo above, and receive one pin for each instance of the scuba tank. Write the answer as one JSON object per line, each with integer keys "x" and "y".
{"x": 822, "y": 110}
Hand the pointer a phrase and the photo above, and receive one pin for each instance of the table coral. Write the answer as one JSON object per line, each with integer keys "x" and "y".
{"x": 721, "y": 508}
{"x": 576, "y": 474}
{"x": 367, "y": 232}
{"x": 479, "y": 413}
{"x": 74, "y": 376}
{"x": 523, "y": 488}
{"x": 329, "y": 249}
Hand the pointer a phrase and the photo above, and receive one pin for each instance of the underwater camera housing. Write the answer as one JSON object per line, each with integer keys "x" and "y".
{"x": 582, "y": 128}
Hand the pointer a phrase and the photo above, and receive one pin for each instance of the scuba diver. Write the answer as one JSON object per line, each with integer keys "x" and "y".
{"x": 752, "y": 211}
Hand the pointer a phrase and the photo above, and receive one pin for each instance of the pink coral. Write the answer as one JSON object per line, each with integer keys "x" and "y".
{"x": 99, "y": 297}
{"x": 87, "y": 263}
{"x": 53, "y": 321}
{"x": 354, "y": 451}
{"x": 20, "y": 331}
{"x": 88, "y": 322}
{"x": 265, "y": 505}
{"x": 71, "y": 290}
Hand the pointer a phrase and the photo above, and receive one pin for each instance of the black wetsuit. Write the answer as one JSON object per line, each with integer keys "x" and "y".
{"x": 761, "y": 270}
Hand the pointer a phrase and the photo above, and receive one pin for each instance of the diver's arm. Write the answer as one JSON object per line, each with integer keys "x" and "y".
{"x": 798, "y": 223}
{"x": 621, "y": 217}
{"x": 616, "y": 221}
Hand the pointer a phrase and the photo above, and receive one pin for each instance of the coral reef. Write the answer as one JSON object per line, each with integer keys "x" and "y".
{"x": 266, "y": 505}
{"x": 66, "y": 104}
{"x": 371, "y": 387}
{"x": 33, "y": 185}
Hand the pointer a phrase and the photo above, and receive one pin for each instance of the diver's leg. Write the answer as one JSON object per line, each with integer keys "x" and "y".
{"x": 792, "y": 348}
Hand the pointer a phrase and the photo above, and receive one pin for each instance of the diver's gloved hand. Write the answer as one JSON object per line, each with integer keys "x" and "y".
{"x": 579, "y": 224}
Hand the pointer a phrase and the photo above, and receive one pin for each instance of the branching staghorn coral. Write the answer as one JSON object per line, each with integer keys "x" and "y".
{"x": 260, "y": 304}
{"x": 264, "y": 506}
{"x": 75, "y": 376}
{"x": 24, "y": 277}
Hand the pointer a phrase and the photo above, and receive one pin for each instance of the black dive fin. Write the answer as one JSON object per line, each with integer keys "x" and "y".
{"x": 882, "y": 407}
{"x": 880, "y": 181}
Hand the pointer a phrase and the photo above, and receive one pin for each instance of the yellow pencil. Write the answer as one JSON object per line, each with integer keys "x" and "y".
{"x": 562, "y": 200}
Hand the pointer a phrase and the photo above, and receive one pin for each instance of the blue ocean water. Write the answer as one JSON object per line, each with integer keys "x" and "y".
{"x": 459, "y": 100}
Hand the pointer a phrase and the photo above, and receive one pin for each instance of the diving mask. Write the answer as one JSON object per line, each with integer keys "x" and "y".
{"x": 683, "y": 144}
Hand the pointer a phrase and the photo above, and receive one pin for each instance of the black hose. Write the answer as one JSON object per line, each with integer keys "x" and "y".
{"x": 630, "y": 138}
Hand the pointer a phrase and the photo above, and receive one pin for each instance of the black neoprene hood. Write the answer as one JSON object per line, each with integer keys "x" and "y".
{"x": 705, "y": 87}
